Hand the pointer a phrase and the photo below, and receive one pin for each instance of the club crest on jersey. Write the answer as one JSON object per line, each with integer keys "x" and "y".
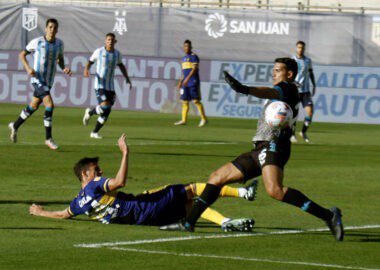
{"x": 120, "y": 24}
{"x": 29, "y": 18}
{"x": 376, "y": 30}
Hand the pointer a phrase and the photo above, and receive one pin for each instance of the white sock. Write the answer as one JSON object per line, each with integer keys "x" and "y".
{"x": 225, "y": 220}
{"x": 242, "y": 192}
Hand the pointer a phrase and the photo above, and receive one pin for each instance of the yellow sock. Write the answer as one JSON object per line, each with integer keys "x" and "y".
{"x": 226, "y": 191}
{"x": 201, "y": 110}
{"x": 229, "y": 192}
{"x": 185, "y": 110}
{"x": 213, "y": 216}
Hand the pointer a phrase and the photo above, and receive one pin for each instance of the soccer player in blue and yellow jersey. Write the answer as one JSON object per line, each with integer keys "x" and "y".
{"x": 305, "y": 72}
{"x": 189, "y": 85}
{"x": 100, "y": 200}
{"x": 48, "y": 52}
{"x": 107, "y": 58}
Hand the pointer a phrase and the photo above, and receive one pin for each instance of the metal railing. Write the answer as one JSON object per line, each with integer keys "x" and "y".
{"x": 222, "y": 4}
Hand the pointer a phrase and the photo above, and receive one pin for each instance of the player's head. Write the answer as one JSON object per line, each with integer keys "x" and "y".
{"x": 110, "y": 41}
{"x": 187, "y": 46}
{"x": 301, "y": 46}
{"x": 87, "y": 169}
{"x": 285, "y": 70}
{"x": 51, "y": 27}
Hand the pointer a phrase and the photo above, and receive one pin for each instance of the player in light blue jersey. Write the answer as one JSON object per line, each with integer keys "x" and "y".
{"x": 100, "y": 199}
{"x": 305, "y": 72}
{"x": 48, "y": 52}
{"x": 106, "y": 58}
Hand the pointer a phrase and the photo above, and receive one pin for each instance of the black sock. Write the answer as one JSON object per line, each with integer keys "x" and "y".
{"x": 18, "y": 122}
{"x": 25, "y": 113}
{"x": 304, "y": 128}
{"x": 97, "y": 127}
{"x": 47, "y": 122}
{"x": 209, "y": 195}
{"x": 297, "y": 198}
{"x": 93, "y": 111}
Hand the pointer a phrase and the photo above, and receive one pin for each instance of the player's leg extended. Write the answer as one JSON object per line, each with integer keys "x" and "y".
{"x": 106, "y": 110}
{"x": 248, "y": 192}
{"x": 25, "y": 114}
{"x": 185, "y": 98}
{"x": 273, "y": 178}
{"x": 224, "y": 175}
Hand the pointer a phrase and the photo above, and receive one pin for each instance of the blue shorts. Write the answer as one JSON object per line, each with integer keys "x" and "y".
{"x": 103, "y": 95}
{"x": 156, "y": 209}
{"x": 191, "y": 93}
{"x": 41, "y": 90}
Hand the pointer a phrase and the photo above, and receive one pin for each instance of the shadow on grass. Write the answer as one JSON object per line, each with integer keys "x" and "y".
{"x": 31, "y": 228}
{"x": 184, "y": 154}
{"x": 36, "y": 202}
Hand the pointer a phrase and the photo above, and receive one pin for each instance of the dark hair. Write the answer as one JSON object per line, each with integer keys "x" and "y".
{"x": 52, "y": 20}
{"x": 111, "y": 35}
{"x": 301, "y": 42}
{"x": 83, "y": 164}
{"x": 290, "y": 64}
{"x": 187, "y": 42}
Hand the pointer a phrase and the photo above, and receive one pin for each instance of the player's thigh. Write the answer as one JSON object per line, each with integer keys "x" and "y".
{"x": 309, "y": 109}
{"x": 228, "y": 173}
{"x": 48, "y": 101}
{"x": 185, "y": 94}
{"x": 272, "y": 178}
{"x": 35, "y": 103}
{"x": 105, "y": 103}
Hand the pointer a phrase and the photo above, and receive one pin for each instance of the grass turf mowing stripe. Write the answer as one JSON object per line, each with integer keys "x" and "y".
{"x": 215, "y": 236}
{"x": 212, "y": 256}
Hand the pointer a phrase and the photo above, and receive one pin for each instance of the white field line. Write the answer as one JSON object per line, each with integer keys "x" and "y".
{"x": 212, "y": 256}
{"x": 214, "y": 236}
{"x": 129, "y": 143}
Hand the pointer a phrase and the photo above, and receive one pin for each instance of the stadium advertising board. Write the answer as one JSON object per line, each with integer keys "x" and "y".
{"x": 344, "y": 94}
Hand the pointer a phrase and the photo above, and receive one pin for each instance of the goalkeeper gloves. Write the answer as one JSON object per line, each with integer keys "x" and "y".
{"x": 235, "y": 84}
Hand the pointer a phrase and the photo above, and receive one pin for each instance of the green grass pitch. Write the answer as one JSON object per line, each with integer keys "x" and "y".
{"x": 340, "y": 168}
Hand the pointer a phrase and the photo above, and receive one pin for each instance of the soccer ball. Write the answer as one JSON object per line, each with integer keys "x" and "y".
{"x": 278, "y": 115}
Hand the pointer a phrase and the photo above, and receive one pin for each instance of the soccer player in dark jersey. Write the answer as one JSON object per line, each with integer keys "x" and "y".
{"x": 48, "y": 52}
{"x": 271, "y": 151}
{"x": 189, "y": 85}
{"x": 305, "y": 72}
{"x": 100, "y": 200}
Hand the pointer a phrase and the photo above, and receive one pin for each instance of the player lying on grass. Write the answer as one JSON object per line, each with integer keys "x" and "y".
{"x": 100, "y": 200}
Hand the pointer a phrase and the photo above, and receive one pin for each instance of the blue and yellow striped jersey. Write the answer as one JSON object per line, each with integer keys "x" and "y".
{"x": 96, "y": 201}
{"x": 188, "y": 62}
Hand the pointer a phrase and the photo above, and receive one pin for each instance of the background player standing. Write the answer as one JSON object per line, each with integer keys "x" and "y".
{"x": 305, "y": 71}
{"x": 106, "y": 58}
{"x": 189, "y": 84}
{"x": 48, "y": 52}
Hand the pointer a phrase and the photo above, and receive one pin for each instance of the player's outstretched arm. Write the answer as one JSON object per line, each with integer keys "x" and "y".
{"x": 260, "y": 92}
{"x": 121, "y": 177}
{"x": 38, "y": 210}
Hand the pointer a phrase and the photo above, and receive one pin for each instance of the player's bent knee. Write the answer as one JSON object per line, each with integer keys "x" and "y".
{"x": 276, "y": 193}
{"x": 216, "y": 179}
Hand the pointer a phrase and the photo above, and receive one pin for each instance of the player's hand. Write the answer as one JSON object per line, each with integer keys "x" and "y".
{"x": 86, "y": 73}
{"x": 130, "y": 84}
{"x": 35, "y": 209}
{"x": 123, "y": 145}
{"x": 67, "y": 71}
{"x": 31, "y": 72}
{"x": 235, "y": 84}
{"x": 185, "y": 82}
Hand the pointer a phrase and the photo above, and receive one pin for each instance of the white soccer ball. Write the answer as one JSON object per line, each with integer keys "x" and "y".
{"x": 278, "y": 114}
